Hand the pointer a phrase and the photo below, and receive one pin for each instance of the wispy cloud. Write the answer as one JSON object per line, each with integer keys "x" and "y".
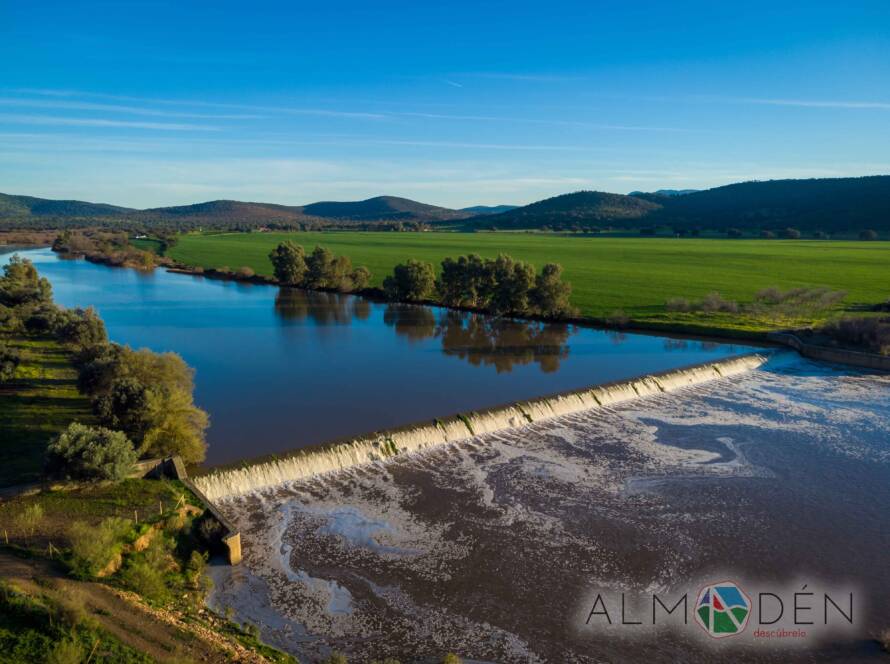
{"x": 818, "y": 103}
{"x": 47, "y": 120}
{"x": 520, "y": 76}
{"x": 453, "y": 84}
{"x": 117, "y": 108}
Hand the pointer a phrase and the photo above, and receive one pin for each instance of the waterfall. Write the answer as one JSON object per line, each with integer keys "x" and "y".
{"x": 381, "y": 445}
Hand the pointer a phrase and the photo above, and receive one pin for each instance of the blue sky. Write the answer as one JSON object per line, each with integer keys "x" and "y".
{"x": 452, "y": 103}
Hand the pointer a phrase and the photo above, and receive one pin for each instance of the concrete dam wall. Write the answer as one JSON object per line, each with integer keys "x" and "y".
{"x": 378, "y": 446}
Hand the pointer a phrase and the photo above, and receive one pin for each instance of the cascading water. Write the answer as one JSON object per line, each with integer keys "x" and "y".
{"x": 379, "y": 446}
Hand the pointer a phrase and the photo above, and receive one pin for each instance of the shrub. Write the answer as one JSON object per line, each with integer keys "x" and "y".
{"x": 90, "y": 453}
{"x": 143, "y": 579}
{"x": 713, "y": 302}
{"x": 868, "y": 235}
{"x": 678, "y": 304}
{"x": 618, "y": 318}
{"x": 868, "y": 334}
{"x": 245, "y": 272}
{"x": 451, "y": 658}
{"x": 550, "y": 296}
{"x": 21, "y": 284}
{"x": 10, "y": 358}
{"x": 81, "y": 327}
{"x": 413, "y": 281}
{"x": 288, "y": 263}
{"x": 791, "y": 234}
{"x": 93, "y": 547}
{"x": 29, "y": 519}
{"x": 66, "y": 651}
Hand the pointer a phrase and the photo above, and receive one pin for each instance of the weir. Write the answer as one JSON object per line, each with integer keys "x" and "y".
{"x": 382, "y": 445}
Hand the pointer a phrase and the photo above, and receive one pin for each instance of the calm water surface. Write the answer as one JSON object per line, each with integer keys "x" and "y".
{"x": 279, "y": 369}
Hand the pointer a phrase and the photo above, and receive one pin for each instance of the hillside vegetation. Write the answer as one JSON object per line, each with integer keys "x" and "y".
{"x": 845, "y": 206}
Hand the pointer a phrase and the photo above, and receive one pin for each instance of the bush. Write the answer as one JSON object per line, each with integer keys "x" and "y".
{"x": 145, "y": 580}
{"x": 21, "y": 284}
{"x": 288, "y": 263}
{"x": 867, "y": 334}
{"x": 791, "y": 234}
{"x": 868, "y": 235}
{"x": 93, "y": 547}
{"x": 412, "y": 281}
{"x": 90, "y": 453}
{"x": 245, "y": 272}
{"x": 451, "y": 658}
{"x": 713, "y": 302}
{"x": 66, "y": 651}
{"x": 550, "y": 296}
{"x": 29, "y": 519}
{"x": 10, "y": 358}
{"x": 81, "y": 327}
{"x": 678, "y": 304}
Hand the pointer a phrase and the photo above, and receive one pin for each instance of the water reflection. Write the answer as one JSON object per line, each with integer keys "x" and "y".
{"x": 484, "y": 340}
{"x": 295, "y": 305}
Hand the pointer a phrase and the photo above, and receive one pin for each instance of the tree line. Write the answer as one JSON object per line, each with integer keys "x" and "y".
{"x": 503, "y": 285}
{"x": 141, "y": 400}
{"x": 320, "y": 270}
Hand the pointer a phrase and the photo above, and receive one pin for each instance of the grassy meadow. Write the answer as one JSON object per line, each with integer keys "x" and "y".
{"x": 39, "y": 403}
{"x": 635, "y": 276}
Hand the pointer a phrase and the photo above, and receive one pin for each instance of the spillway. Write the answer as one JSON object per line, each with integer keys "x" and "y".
{"x": 381, "y": 445}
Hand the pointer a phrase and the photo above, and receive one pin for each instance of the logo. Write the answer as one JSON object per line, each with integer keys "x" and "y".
{"x": 722, "y": 609}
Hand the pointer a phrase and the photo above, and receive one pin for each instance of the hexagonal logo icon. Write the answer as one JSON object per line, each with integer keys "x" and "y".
{"x": 722, "y": 609}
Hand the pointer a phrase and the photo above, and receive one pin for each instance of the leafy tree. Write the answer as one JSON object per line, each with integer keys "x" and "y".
{"x": 361, "y": 277}
{"x": 288, "y": 263}
{"x": 90, "y": 453}
{"x": 10, "y": 358}
{"x": 514, "y": 280}
{"x": 550, "y": 296}
{"x": 466, "y": 281}
{"x": 321, "y": 269}
{"x": 81, "y": 327}
{"x": 21, "y": 283}
{"x": 148, "y": 396}
{"x": 413, "y": 281}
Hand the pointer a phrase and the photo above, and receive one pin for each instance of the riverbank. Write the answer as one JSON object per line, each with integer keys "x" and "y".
{"x": 615, "y": 281}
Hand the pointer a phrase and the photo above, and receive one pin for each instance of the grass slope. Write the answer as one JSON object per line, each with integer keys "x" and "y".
{"x": 636, "y": 275}
{"x": 37, "y": 405}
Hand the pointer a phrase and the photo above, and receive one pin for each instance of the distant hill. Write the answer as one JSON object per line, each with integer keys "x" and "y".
{"x": 488, "y": 209}
{"x": 26, "y": 206}
{"x": 666, "y": 192}
{"x": 229, "y": 210}
{"x": 584, "y": 208}
{"x": 383, "y": 208}
{"x": 831, "y": 205}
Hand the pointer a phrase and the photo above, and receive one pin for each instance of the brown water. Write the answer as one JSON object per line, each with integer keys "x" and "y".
{"x": 495, "y": 549}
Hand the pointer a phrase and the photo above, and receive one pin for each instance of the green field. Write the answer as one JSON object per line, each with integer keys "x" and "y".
{"x": 634, "y": 275}
{"x": 41, "y": 401}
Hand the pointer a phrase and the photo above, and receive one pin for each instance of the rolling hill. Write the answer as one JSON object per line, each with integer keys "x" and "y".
{"x": 383, "y": 208}
{"x": 27, "y": 206}
{"x": 831, "y": 205}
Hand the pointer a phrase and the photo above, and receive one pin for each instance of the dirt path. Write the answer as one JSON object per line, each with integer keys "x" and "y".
{"x": 160, "y": 634}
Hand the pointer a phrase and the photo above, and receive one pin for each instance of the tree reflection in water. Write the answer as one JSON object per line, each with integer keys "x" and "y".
{"x": 484, "y": 340}
{"x": 294, "y": 304}
{"x": 479, "y": 339}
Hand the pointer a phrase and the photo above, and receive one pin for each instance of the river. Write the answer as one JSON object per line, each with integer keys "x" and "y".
{"x": 280, "y": 369}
